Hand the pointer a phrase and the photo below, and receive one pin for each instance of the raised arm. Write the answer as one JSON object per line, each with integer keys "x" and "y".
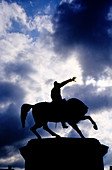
{"x": 67, "y": 81}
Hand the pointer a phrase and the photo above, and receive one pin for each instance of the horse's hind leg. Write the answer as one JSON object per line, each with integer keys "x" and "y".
{"x": 45, "y": 127}
{"x": 33, "y": 129}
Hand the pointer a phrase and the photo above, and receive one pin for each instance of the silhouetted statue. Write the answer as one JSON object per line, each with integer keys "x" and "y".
{"x": 56, "y": 94}
{"x": 71, "y": 111}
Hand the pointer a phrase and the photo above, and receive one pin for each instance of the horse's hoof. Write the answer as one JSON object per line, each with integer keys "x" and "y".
{"x": 58, "y": 136}
{"x": 39, "y": 137}
{"x": 82, "y": 137}
{"x": 95, "y": 127}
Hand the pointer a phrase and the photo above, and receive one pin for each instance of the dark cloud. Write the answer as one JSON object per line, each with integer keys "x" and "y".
{"x": 10, "y": 126}
{"x": 10, "y": 92}
{"x": 21, "y": 69}
{"x": 83, "y": 26}
{"x": 11, "y": 97}
{"x": 85, "y": 23}
{"x": 11, "y": 135}
{"x": 11, "y": 132}
{"x": 90, "y": 96}
{"x": 8, "y": 152}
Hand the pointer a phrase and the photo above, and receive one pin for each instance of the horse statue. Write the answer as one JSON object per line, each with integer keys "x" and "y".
{"x": 70, "y": 111}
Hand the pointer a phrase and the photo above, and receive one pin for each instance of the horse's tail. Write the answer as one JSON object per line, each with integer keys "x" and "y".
{"x": 25, "y": 108}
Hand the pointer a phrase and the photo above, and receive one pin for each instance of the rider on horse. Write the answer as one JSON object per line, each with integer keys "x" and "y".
{"x": 56, "y": 94}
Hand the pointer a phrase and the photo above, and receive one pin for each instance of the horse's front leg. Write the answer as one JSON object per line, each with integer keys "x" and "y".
{"x": 45, "y": 127}
{"x": 75, "y": 127}
{"x": 92, "y": 121}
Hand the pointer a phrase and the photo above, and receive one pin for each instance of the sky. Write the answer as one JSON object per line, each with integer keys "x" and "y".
{"x": 42, "y": 41}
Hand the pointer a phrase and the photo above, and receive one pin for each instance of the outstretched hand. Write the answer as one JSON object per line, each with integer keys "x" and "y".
{"x": 74, "y": 79}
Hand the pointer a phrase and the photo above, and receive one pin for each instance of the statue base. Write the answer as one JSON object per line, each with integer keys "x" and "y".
{"x": 64, "y": 153}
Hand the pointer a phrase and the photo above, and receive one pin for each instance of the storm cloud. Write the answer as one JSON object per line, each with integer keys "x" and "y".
{"x": 10, "y": 92}
{"x": 11, "y": 133}
{"x": 91, "y": 96}
{"x": 84, "y": 26}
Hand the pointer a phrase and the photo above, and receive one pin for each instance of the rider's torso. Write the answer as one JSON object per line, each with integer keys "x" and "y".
{"x": 56, "y": 94}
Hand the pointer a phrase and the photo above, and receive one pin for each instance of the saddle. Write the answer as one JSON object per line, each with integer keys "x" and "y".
{"x": 59, "y": 102}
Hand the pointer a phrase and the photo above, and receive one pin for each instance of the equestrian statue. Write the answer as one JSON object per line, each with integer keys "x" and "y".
{"x": 59, "y": 110}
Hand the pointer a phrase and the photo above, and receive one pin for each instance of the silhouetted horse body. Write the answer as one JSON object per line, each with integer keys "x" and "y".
{"x": 71, "y": 111}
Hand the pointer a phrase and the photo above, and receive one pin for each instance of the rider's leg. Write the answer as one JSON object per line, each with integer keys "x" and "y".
{"x": 33, "y": 129}
{"x": 91, "y": 120}
{"x": 45, "y": 127}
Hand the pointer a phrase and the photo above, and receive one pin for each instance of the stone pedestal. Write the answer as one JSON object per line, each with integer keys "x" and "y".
{"x": 64, "y": 153}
